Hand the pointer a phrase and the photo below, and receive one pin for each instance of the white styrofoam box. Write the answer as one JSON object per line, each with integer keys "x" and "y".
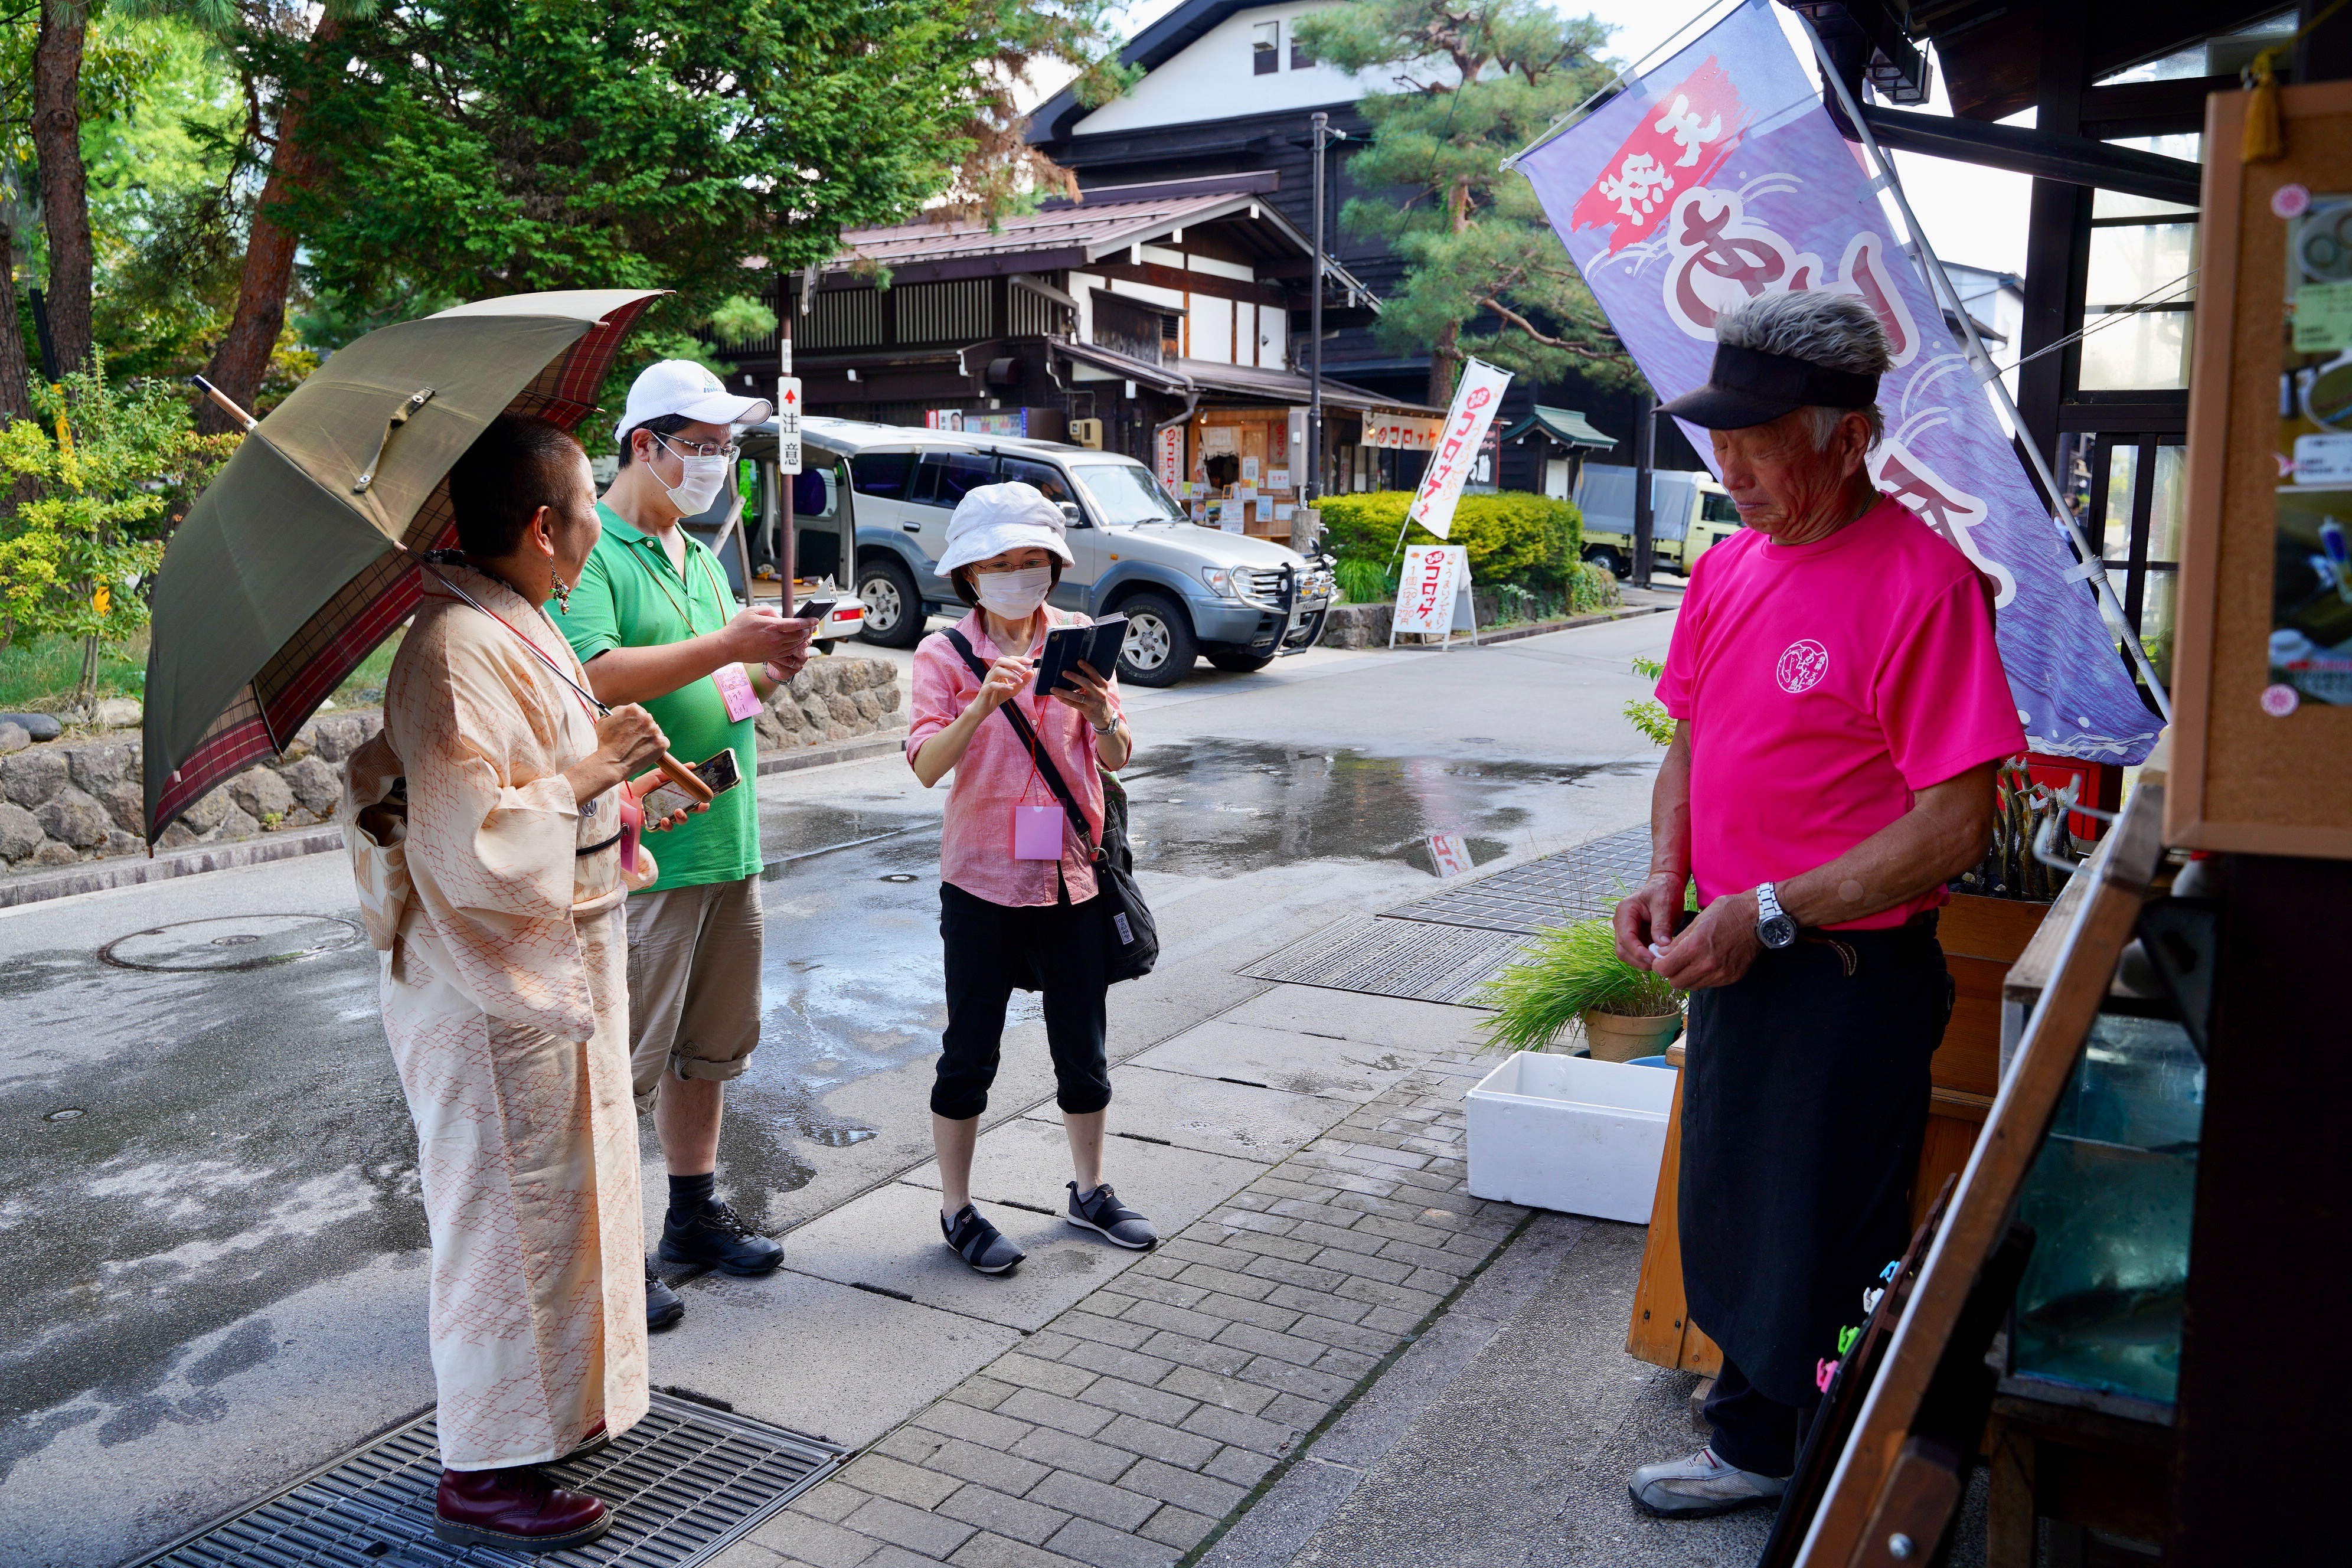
{"x": 1568, "y": 1133}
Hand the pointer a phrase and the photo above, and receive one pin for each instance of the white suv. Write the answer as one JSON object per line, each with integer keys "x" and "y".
{"x": 1186, "y": 589}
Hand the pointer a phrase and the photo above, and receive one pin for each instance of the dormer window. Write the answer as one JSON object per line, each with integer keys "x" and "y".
{"x": 1265, "y": 48}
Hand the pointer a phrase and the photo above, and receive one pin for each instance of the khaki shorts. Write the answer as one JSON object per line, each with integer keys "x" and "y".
{"x": 694, "y": 982}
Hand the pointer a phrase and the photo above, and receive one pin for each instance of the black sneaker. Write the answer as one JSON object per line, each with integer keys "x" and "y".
{"x": 717, "y": 1238}
{"x": 664, "y": 1306}
{"x": 1101, "y": 1211}
{"x": 979, "y": 1243}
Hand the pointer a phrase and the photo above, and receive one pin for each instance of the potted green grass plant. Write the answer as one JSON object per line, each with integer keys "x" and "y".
{"x": 1574, "y": 972}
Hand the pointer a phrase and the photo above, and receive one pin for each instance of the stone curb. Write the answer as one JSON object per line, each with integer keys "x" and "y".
{"x": 1512, "y": 634}
{"x": 131, "y": 871}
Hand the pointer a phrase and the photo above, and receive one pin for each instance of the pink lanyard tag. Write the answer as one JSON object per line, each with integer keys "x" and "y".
{"x": 735, "y": 690}
{"x": 1038, "y": 832}
{"x": 633, "y": 827}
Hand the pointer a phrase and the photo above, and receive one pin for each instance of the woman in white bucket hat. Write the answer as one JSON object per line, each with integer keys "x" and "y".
{"x": 1013, "y": 898}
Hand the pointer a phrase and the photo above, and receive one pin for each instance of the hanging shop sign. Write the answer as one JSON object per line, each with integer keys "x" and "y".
{"x": 1401, "y": 432}
{"x": 1170, "y": 454}
{"x": 1475, "y": 402}
{"x": 1719, "y": 178}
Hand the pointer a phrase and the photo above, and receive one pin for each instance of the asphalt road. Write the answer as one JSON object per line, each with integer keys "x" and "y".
{"x": 208, "y": 1195}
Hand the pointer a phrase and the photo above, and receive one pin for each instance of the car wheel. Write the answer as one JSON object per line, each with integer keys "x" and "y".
{"x": 894, "y": 611}
{"x": 1602, "y": 556}
{"x": 1242, "y": 663}
{"x": 1159, "y": 648}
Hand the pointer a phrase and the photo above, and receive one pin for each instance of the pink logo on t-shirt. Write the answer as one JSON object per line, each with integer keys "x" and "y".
{"x": 1802, "y": 665}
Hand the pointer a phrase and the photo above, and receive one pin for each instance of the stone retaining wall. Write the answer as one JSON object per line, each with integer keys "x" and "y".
{"x": 65, "y": 801}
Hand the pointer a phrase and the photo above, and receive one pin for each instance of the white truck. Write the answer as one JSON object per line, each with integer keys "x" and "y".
{"x": 1689, "y": 512}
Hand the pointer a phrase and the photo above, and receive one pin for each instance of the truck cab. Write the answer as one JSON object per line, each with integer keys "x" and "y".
{"x": 1689, "y": 512}
{"x": 1188, "y": 590}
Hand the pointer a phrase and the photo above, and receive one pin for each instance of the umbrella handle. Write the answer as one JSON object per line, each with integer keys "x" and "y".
{"x": 686, "y": 778}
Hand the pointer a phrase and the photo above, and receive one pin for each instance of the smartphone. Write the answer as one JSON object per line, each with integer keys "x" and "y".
{"x": 719, "y": 771}
{"x": 814, "y": 609}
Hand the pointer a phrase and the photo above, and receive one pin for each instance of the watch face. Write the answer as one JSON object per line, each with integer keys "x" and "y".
{"x": 1779, "y": 931}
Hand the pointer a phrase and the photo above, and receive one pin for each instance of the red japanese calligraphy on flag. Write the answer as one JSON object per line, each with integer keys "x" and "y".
{"x": 1681, "y": 139}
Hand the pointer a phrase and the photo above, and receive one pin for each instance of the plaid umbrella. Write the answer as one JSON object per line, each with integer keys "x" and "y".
{"x": 303, "y": 554}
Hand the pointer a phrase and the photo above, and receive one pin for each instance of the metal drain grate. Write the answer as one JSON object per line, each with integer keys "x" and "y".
{"x": 1383, "y": 957}
{"x": 1572, "y": 885}
{"x": 683, "y": 1484}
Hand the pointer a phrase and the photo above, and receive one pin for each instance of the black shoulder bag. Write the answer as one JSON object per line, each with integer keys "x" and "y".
{"x": 1131, "y": 940}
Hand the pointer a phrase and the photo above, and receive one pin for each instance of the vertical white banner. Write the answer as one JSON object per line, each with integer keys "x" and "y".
{"x": 1171, "y": 455}
{"x": 1433, "y": 575}
{"x": 1475, "y": 403}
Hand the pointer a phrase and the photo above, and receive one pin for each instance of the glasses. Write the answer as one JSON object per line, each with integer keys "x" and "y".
{"x": 727, "y": 449}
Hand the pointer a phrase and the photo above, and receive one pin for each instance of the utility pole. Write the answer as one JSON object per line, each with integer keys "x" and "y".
{"x": 1645, "y": 435}
{"x": 1321, "y": 135}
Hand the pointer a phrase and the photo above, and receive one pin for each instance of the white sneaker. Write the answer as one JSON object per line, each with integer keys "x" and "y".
{"x": 1700, "y": 1485}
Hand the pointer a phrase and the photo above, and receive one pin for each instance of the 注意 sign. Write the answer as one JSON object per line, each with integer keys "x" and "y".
{"x": 1433, "y": 575}
{"x": 1401, "y": 432}
{"x": 1475, "y": 402}
{"x": 1717, "y": 178}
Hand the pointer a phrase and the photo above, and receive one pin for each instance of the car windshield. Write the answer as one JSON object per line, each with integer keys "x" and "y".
{"x": 1127, "y": 492}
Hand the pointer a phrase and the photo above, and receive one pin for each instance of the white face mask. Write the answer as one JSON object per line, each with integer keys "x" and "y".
{"x": 1014, "y": 595}
{"x": 699, "y": 482}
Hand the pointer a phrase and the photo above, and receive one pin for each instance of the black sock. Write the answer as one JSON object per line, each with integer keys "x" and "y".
{"x": 689, "y": 1196}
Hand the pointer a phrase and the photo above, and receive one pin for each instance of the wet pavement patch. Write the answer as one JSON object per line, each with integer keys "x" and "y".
{"x": 1218, "y": 807}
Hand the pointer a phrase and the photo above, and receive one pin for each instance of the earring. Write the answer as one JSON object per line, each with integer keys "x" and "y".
{"x": 563, "y": 593}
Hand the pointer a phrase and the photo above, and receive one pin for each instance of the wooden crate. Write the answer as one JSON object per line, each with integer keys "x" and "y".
{"x": 1981, "y": 938}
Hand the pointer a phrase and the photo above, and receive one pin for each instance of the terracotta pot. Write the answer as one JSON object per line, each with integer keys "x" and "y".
{"x": 1619, "y": 1038}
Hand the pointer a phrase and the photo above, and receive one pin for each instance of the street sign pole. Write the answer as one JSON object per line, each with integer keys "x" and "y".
{"x": 788, "y": 435}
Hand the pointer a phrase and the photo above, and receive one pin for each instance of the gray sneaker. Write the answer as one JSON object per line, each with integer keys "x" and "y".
{"x": 1100, "y": 1210}
{"x": 1700, "y": 1485}
{"x": 979, "y": 1243}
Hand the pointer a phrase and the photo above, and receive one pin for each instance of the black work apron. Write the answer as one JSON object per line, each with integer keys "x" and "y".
{"x": 1804, "y": 1101}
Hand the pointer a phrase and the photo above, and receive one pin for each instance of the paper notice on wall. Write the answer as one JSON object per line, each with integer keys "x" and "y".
{"x": 1282, "y": 510}
{"x": 2323, "y": 317}
{"x": 1277, "y": 478}
{"x": 1475, "y": 402}
{"x": 1249, "y": 471}
{"x": 1246, "y": 492}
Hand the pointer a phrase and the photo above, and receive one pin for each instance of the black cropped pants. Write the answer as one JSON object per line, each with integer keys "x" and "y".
{"x": 993, "y": 950}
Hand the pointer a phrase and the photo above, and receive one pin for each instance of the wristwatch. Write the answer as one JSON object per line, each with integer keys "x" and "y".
{"x": 1110, "y": 728}
{"x": 1774, "y": 928}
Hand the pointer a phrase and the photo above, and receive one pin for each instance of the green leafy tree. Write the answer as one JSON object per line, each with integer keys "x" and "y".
{"x": 1474, "y": 82}
{"x": 473, "y": 147}
{"x": 101, "y": 476}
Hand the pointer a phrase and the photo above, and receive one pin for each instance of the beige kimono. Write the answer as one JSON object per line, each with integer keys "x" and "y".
{"x": 505, "y": 1001}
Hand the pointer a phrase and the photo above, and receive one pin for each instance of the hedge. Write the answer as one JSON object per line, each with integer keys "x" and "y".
{"x": 1512, "y": 537}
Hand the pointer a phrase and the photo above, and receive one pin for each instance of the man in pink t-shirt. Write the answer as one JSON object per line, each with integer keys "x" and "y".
{"x": 1839, "y": 709}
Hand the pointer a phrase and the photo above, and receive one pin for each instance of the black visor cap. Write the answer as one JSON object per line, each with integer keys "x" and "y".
{"x": 1748, "y": 386}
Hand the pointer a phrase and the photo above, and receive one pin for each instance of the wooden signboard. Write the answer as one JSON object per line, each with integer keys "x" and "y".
{"x": 2261, "y": 740}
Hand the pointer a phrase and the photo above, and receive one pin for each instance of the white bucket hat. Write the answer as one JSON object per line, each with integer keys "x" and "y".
{"x": 994, "y": 519}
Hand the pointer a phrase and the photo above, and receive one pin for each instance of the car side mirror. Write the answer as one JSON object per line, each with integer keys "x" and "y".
{"x": 1072, "y": 515}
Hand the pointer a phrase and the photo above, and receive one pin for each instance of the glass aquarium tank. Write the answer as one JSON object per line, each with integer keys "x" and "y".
{"x": 2110, "y": 1199}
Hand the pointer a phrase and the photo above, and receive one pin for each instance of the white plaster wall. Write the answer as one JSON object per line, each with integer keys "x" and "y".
{"x": 1213, "y": 329}
{"x": 1213, "y": 79}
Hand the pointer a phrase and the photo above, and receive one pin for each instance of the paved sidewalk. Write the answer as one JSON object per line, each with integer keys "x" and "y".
{"x": 1129, "y": 1425}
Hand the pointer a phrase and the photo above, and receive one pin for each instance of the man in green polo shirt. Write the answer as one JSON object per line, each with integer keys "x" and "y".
{"x": 655, "y": 624}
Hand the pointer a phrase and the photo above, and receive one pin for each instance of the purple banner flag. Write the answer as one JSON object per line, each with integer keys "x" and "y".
{"x": 1717, "y": 177}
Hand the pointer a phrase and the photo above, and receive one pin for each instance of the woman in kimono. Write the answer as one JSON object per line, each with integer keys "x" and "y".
{"x": 489, "y": 855}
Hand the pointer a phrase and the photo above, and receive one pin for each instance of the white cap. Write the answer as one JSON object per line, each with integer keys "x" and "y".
{"x": 994, "y": 519}
{"x": 682, "y": 386}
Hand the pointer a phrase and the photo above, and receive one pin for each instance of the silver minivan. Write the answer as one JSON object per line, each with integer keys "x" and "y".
{"x": 1188, "y": 590}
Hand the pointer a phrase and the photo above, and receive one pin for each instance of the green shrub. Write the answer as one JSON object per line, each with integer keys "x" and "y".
{"x": 1569, "y": 970}
{"x": 1364, "y": 582}
{"x": 1513, "y": 537}
{"x": 1592, "y": 589}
